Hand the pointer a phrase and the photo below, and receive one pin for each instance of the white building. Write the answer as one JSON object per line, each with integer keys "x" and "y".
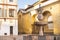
{"x": 8, "y": 17}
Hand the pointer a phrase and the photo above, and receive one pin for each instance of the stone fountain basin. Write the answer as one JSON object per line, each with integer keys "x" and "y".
{"x": 40, "y": 23}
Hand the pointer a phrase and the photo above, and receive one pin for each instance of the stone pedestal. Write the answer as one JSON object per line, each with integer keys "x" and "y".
{"x": 41, "y": 25}
{"x": 41, "y": 31}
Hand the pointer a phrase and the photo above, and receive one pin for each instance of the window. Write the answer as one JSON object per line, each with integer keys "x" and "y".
{"x": 10, "y": 0}
{"x": 0, "y": 12}
{"x": 50, "y": 22}
{"x": 5, "y": 12}
{"x": 0, "y": 24}
{"x": 11, "y": 12}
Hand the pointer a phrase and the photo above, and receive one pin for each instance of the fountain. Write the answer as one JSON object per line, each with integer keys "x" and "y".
{"x": 40, "y": 23}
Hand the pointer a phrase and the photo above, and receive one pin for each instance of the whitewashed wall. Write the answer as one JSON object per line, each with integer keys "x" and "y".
{"x": 5, "y": 27}
{"x": 1, "y": 1}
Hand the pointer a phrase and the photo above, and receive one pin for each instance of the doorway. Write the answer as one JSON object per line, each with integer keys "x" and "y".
{"x": 11, "y": 30}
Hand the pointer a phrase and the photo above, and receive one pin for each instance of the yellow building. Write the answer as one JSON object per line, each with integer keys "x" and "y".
{"x": 50, "y": 12}
{"x": 24, "y": 22}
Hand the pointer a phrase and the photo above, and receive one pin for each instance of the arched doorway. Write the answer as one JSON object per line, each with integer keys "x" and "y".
{"x": 48, "y": 29}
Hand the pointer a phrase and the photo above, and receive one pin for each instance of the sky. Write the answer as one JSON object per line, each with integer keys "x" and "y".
{"x": 22, "y": 3}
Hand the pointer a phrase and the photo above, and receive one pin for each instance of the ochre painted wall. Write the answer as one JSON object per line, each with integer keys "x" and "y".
{"x": 20, "y": 24}
{"x": 25, "y": 23}
{"x": 54, "y": 9}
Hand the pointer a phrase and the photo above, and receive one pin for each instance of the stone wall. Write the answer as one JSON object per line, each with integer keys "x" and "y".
{"x": 28, "y": 37}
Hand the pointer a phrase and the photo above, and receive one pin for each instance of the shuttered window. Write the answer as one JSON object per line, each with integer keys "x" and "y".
{"x": 0, "y": 12}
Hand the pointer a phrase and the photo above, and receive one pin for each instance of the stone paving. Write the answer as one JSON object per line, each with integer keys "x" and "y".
{"x": 29, "y": 37}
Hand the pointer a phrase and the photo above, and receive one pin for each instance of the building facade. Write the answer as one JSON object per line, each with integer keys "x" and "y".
{"x": 24, "y": 23}
{"x": 50, "y": 11}
{"x": 8, "y": 17}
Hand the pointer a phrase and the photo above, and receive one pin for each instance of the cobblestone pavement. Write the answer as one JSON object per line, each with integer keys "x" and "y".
{"x": 29, "y": 37}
